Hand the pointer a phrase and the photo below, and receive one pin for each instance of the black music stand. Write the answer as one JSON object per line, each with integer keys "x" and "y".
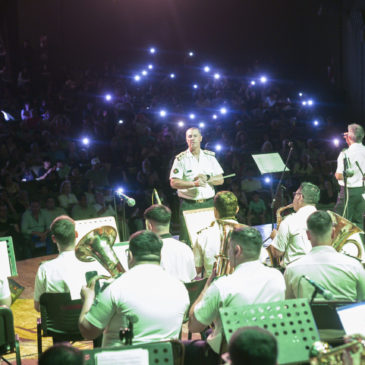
{"x": 290, "y": 321}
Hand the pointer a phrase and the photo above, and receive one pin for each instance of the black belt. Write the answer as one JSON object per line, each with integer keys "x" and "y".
{"x": 199, "y": 201}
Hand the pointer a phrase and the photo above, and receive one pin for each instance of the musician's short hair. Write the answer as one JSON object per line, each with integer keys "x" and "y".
{"x": 249, "y": 239}
{"x": 63, "y": 229}
{"x": 158, "y": 213}
{"x": 61, "y": 353}
{"x": 253, "y": 345}
{"x": 194, "y": 128}
{"x": 145, "y": 246}
{"x": 310, "y": 193}
{"x": 355, "y": 132}
{"x": 319, "y": 223}
{"x": 226, "y": 204}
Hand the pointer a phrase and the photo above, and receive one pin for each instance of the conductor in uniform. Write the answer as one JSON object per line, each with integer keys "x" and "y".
{"x": 194, "y": 174}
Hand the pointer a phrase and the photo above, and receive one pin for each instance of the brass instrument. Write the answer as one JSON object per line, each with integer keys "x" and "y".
{"x": 343, "y": 230}
{"x": 352, "y": 352}
{"x": 97, "y": 245}
{"x": 223, "y": 266}
{"x": 156, "y": 196}
{"x": 279, "y": 218}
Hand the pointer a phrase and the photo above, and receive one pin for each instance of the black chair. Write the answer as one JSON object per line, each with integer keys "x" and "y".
{"x": 9, "y": 342}
{"x": 194, "y": 289}
{"x": 59, "y": 319}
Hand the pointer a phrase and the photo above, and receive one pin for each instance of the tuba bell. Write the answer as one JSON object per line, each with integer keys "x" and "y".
{"x": 343, "y": 230}
{"x": 97, "y": 245}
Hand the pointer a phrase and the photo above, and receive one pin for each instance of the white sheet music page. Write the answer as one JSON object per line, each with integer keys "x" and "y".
{"x": 269, "y": 163}
{"x": 123, "y": 357}
{"x": 5, "y": 270}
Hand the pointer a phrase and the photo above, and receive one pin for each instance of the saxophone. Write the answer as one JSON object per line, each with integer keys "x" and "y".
{"x": 279, "y": 218}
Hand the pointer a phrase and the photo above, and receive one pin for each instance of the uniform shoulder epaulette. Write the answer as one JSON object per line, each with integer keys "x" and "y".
{"x": 210, "y": 153}
{"x": 205, "y": 228}
{"x": 180, "y": 155}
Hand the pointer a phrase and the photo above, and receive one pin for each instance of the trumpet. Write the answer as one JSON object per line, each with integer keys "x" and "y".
{"x": 352, "y": 352}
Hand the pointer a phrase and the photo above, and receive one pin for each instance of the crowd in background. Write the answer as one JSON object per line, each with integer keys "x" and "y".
{"x": 65, "y": 148}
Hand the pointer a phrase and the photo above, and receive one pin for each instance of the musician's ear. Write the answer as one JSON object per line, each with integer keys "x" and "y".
{"x": 308, "y": 235}
{"x": 237, "y": 209}
{"x": 237, "y": 250}
{"x": 333, "y": 233}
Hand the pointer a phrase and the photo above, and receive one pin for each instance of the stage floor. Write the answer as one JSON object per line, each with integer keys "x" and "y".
{"x": 25, "y": 316}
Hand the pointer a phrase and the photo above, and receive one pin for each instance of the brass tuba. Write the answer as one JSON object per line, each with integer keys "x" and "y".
{"x": 343, "y": 230}
{"x": 97, "y": 245}
{"x": 223, "y": 266}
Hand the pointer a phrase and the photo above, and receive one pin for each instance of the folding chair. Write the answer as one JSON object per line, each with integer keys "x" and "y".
{"x": 59, "y": 319}
{"x": 164, "y": 352}
{"x": 9, "y": 342}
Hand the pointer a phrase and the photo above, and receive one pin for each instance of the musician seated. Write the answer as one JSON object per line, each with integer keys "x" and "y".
{"x": 290, "y": 242}
{"x": 65, "y": 273}
{"x": 176, "y": 257}
{"x": 341, "y": 275}
{"x": 208, "y": 243}
{"x": 146, "y": 295}
{"x": 250, "y": 283}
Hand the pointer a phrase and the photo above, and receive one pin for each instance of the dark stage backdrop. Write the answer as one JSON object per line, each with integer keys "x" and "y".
{"x": 284, "y": 33}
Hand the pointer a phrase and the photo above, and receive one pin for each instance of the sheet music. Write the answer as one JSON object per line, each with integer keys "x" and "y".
{"x": 198, "y": 219}
{"x": 5, "y": 270}
{"x": 123, "y": 357}
{"x": 269, "y": 163}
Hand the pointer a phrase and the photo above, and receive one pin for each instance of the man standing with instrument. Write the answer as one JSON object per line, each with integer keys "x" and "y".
{"x": 340, "y": 275}
{"x": 290, "y": 242}
{"x": 208, "y": 242}
{"x": 350, "y": 170}
{"x": 194, "y": 174}
{"x": 250, "y": 283}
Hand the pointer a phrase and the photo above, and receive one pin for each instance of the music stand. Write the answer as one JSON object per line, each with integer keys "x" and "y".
{"x": 269, "y": 163}
{"x": 196, "y": 220}
{"x": 8, "y": 266}
{"x": 290, "y": 321}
